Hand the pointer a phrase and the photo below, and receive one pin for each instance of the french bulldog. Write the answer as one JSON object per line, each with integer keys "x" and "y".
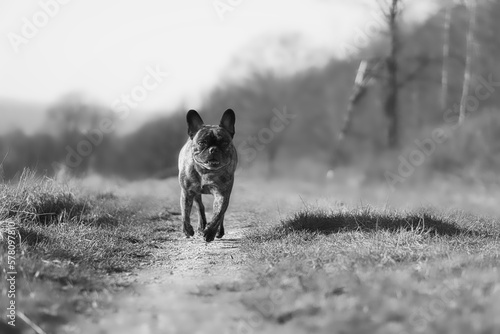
{"x": 207, "y": 163}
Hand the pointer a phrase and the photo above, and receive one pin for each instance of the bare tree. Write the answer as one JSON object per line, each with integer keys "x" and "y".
{"x": 386, "y": 69}
{"x": 472, "y": 8}
{"x": 366, "y": 71}
{"x": 446, "y": 56}
{"x": 391, "y": 10}
{"x": 392, "y": 94}
{"x": 363, "y": 77}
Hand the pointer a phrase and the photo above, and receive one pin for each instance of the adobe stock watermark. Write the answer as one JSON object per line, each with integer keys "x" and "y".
{"x": 425, "y": 148}
{"x": 249, "y": 149}
{"x": 11, "y": 273}
{"x": 222, "y": 7}
{"x": 122, "y": 106}
{"x": 30, "y": 27}
{"x": 363, "y": 35}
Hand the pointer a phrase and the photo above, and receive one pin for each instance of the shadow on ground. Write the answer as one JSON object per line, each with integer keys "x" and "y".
{"x": 367, "y": 221}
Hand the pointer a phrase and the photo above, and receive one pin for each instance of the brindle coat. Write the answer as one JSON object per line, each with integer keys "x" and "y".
{"x": 207, "y": 163}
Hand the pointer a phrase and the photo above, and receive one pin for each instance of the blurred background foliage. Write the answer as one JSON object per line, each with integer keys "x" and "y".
{"x": 319, "y": 97}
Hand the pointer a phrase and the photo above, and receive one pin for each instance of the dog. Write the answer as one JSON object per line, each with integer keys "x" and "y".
{"x": 207, "y": 163}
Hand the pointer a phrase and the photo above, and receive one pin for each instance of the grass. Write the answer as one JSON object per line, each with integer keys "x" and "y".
{"x": 71, "y": 242}
{"x": 365, "y": 270}
{"x": 344, "y": 270}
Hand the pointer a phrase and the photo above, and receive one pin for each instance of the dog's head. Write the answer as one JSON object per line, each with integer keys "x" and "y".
{"x": 212, "y": 144}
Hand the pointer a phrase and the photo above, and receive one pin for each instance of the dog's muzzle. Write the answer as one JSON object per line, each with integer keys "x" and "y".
{"x": 210, "y": 166}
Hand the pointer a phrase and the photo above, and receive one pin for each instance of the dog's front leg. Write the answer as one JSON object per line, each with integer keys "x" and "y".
{"x": 221, "y": 202}
{"x": 220, "y": 233}
{"x": 202, "y": 219}
{"x": 186, "y": 205}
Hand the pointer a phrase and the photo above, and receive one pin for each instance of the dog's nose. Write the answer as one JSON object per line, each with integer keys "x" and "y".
{"x": 211, "y": 150}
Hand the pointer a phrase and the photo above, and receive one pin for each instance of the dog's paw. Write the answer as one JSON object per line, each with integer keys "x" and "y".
{"x": 188, "y": 231}
{"x": 201, "y": 229}
{"x": 209, "y": 235}
{"x": 220, "y": 234}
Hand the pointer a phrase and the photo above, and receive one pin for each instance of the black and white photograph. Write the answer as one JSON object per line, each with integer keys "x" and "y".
{"x": 249, "y": 166}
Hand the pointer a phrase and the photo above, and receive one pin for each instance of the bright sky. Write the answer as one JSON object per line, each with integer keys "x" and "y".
{"x": 104, "y": 48}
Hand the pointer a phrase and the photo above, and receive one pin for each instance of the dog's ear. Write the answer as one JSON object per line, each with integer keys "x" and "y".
{"x": 194, "y": 122}
{"x": 227, "y": 121}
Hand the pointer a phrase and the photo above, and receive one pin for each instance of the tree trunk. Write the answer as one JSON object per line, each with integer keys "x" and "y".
{"x": 391, "y": 100}
{"x": 468, "y": 61}
{"x": 358, "y": 91}
{"x": 446, "y": 58}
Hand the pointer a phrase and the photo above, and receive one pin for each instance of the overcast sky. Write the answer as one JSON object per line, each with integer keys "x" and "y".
{"x": 107, "y": 48}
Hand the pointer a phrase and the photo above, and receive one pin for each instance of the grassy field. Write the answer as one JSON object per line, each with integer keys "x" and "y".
{"x": 74, "y": 246}
{"x": 366, "y": 270}
{"x": 343, "y": 257}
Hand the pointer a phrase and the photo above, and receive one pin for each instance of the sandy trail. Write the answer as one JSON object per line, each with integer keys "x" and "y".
{"x": 192, "y": 286}
{"x": 181, "y": 292}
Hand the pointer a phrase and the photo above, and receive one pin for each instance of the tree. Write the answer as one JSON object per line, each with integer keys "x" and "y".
{"x": 386, "y": 69}
{"x": 73, "y": 113}
{"x": 391, "y": 13}
{"x": 358, "y": 91}
{"x": 446, "y": 57}
{"x": 472, "y": 7}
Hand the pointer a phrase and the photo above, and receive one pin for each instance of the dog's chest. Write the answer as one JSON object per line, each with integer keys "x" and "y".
{"x": 211, "y": 182}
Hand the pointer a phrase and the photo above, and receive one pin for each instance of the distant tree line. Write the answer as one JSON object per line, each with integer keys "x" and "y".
{"x": 435, "y": 62}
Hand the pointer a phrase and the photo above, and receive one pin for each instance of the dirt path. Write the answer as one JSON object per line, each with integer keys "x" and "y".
{"x": 192, "y": 287}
